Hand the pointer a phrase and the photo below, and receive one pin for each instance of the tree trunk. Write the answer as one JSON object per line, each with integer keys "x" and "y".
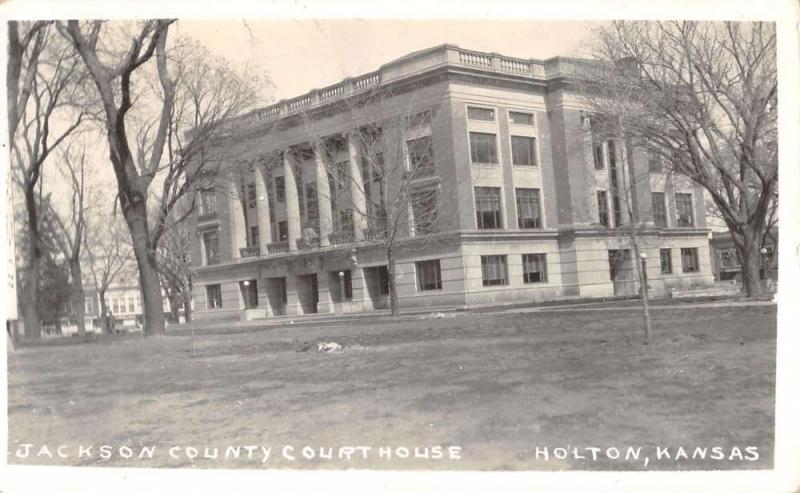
{"x": 187, "y": 308}
{"x": 152, "y": 304}
{"x": 104, "y": 311}
{"x": 393, "y": 304}
{"x": 78, "y": 297}
{"x": 30, "y": 308}
{"x": 748, "y": 248}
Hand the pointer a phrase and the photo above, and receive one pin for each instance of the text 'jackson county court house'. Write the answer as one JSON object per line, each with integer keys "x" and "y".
{"x": 509, "y": 197}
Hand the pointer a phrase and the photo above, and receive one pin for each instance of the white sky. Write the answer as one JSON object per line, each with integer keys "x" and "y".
{"x": 301, "y": 55}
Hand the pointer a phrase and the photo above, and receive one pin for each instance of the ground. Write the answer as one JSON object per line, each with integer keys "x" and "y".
{"x": 499, "y": 386}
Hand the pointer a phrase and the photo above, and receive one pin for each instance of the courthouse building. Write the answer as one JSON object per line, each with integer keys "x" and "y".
{"x": 503, "y": 195}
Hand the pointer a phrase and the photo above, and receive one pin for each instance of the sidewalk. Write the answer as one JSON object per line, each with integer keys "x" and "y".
{"x": 235, "y": 326}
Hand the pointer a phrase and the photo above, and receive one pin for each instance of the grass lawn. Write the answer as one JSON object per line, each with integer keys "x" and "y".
{"x": 497, "y": 385}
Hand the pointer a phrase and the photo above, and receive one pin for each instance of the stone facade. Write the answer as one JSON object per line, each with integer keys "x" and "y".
{"x": 509, "y": 163}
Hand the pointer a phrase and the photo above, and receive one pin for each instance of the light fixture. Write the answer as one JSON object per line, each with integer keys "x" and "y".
{"x": 764, "y": 251}
{"x": 246, "y": 283}
{"x": 643, "y": 255}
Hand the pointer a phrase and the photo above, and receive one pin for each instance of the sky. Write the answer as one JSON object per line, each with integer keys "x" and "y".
{"x": 300, "y": 55}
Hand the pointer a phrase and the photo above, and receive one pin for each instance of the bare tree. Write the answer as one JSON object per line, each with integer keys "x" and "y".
{"x": 387, "y": 199}
{"x": 71, "y": 230}
{"x": 26, "y": 41}
{"x": 704, "y": 97}
{"x": 108, "y": 255}
{"x": 49, "y": 115}
{"x": 175, "y": 265}
{"x": 169, "y": 148}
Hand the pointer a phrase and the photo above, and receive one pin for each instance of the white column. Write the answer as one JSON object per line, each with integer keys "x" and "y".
{"x": 325, "y": 303}
{"x": 323, "y": 195}
{"x": 292, "y": 205}
{"x": 262, "y": 210}
{"x": 356, "y": 187}
{"x": 238, "y": 235}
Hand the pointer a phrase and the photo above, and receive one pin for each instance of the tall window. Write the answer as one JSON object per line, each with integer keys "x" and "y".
{"x": 423, "y": 207}
{"x": 483, "y": 148}
{"x": 618, "y": 264}
{"x": 211, "y": 244}
{"x": 597, "y": 149}
{"x": 534, "y": 267}
{"x": 283, "y": 230}
{"x": 255, "y": 237}
{"x": 346, "y": 224}
{"x": 602, "y": 207}
{"x": 487, "y": 207}
{"x": 728, "y": 258}
{"x": 481, "y": 114}
{"x": 208, "y": 202}
{"x": 495, "y": 271}
{"x": 131, "y": 308}
{"x": 429, "y": 275}
{"x": 666, "y": 260}
{"x": 420, "y": 152}
{"x": 280, "y": 189}
{"x": 523, "y": 151}
{"x": 528, "y": 208}
{"x": 214, "y": 296}
{"x": 689, "y": 260}
{"x": 683, "y": 207}
{"x": 654, "y": 162}
{"x": 251, "y": 196}
{"x": 518, "y": 118}
{"x": 659, "y": 210}
{"x": 311, "y": 201}
{"x": 614, "y": 182}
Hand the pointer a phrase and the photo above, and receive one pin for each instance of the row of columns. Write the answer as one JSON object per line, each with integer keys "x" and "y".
{"x": 290, "y": 162}
{"x": 299, "y": 293}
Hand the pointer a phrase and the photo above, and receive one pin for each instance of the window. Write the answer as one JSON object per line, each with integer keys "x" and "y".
{"x": 311, "y": 201}
{"x": 280, "y": 189}
{"x": 487, "y": 207}
{"x": 254, "y": 236}
{"x": 728, "y": 258}
{"x": 598, "y": 155}
{"x": 654, "y": 162}
{"x": 429, "y": 275}
{"x": 618, "y": 264}
{"x": 495, "y": 272}
{"x": 420, "y": 152}
{"x": 602, "y": 207}
{"x": 122, "y": 305}
{"x": 689, "y": 260}
{"x": 383, "y": 279}
{"x": 423, "y": 207}
{"x": 483, "y": 148}
{"x": 528, "y": 208}
{"x": 251, "y": 195}
{"x": 666, "y": 260}
{"x": 518, "y": 118}
{"x": 211, "y": 244}
{"x": 214, "y": 296}
{"x": 683, "y": 207}
{"x": 659, "y": 210}
{"x": 283, "y": 230}
{"x": 88, "y": 306}
{"x": 342, "y": 178}
{"x": 482, "y": 114}
{"x": 523, "y": 151}
{"x": 208, "y": 202}
{"x": 130, "y": 305}
{"x": 249, "y": 290}
{"x": 346, "y": 224}
{"x": 534, "y": 267}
